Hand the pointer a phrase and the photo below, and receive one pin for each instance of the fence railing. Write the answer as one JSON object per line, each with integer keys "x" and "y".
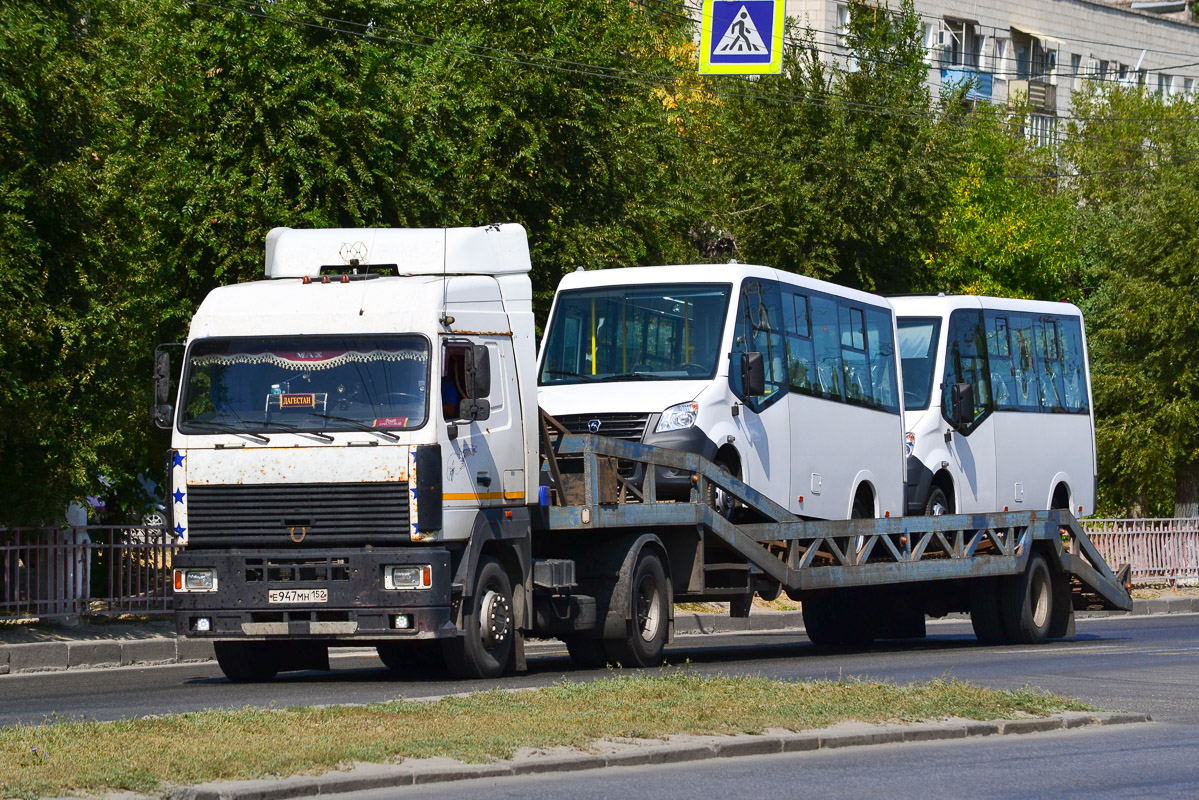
{"x": 1159, "y": 550}
{"x": 115, "y": 569}
{"x": 94, "y": 569}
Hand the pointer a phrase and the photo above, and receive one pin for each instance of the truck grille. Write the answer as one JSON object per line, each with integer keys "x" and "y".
{"x": 630, "y": 427}
{"x": 318, "y": 514}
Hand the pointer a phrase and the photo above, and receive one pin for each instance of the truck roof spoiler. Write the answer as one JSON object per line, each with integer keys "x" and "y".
{"x": 490, "y": 250}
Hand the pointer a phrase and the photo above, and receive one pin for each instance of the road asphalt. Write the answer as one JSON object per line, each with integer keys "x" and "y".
{"x": 114, "y": 645}
{"x": 26, "y": 648}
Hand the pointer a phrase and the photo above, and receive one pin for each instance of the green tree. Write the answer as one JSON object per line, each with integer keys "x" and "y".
{"x": 1009, "y": 228}
{"x": 1140, "y": 186}
{"x": 838, "y": 170}
{"x": 150, "y": 145}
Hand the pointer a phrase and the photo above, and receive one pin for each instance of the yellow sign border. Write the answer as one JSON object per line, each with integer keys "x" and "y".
{"x": 706, "y": 67}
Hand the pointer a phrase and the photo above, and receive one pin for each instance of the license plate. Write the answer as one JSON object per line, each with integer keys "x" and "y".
{"x": 298, "y": 595}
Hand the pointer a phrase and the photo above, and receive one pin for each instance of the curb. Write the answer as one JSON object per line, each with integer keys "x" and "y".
{"x": 91, "y": 653}
{"x": 673, "y": 750}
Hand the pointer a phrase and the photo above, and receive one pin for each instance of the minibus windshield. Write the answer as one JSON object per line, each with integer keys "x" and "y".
{"x": 628, "y": 333}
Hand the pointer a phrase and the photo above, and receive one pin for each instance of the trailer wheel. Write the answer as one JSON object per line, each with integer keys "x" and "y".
{"x": 837, "y": 617}
{"x": 985, "y": 615}
{"x": 416, "y": 658}
{"x": 246, "y": 662}
{"x": 647, "y": 615}
{"x": 488, "y": 632}
{"x": 1027, "y": 603}
{"x": 818, "y": 618}
{"x": 586, "y": 653}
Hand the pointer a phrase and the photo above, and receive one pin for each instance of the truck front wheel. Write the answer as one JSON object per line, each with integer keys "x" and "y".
{"x": 488, "y": 628}
{"x": 247, "y": 662}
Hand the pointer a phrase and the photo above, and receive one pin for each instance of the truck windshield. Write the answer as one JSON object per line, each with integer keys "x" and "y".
{"x": 652, "y": 332}
{"x": 310, "y": 383}
{"x": 918, "y": 340}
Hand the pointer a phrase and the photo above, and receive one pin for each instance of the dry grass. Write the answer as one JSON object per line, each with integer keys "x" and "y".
{"x": 148, "y": 755}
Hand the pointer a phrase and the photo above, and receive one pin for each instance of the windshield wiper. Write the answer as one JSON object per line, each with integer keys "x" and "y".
{"x": 226, "y": 428}
{"x": 568, "y": 374}
{"x": 357, "y": 423}
{"x": 626, "y": 376}
{"x": 288, "y": 426}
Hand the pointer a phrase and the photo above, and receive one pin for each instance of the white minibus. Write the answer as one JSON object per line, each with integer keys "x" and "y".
{"x": 997, "y": 399}
{"x": 670, "y": 356}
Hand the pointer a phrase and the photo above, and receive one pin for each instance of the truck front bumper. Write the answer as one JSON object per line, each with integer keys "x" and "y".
{"x": 357, "y": 606}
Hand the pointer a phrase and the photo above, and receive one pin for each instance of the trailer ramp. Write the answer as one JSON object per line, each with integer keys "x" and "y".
{"x": 805, "y": 555}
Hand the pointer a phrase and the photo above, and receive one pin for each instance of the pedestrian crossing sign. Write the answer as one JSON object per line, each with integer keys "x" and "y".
{"x": 743, "y": 37}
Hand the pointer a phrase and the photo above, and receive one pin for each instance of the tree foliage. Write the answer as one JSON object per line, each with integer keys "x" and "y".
{"x": 150, "y": 145}
{"x": 837, "y": 170}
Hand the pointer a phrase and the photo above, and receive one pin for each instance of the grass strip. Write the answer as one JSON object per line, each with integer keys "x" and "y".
{"x": 148, "y": 755}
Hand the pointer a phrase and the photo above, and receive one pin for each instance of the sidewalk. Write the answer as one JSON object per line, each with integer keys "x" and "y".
{"x": 37, "y": 647}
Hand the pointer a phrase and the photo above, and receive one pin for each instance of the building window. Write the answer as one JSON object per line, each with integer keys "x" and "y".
{"x": 1076, "y": 70}
{"x": 1002, "y": 65}
{"x": 1042, "y": 129}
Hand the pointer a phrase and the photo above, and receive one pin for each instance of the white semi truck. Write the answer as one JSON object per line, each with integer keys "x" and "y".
{"x": 358, "y": 458}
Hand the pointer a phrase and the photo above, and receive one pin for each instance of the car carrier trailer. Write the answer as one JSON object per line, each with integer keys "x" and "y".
{"x": 359, "y": 459}
{"x": 606, "y": 561}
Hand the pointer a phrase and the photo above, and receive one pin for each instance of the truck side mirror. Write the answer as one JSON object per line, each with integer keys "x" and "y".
{"x": 478, "y": 374}
{"x": 474, "y": 408}
{"x": 753, "y": 374}
{"x": 961, "y": 404}
{"x": 162, "y": 412}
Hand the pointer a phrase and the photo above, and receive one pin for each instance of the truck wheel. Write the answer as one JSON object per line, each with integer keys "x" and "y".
{"x": 985, "y": 615}
{"x": 1026, "y": 601}
{"x": 412, "y": 659}
{"x": 647, "y": 615}
{"x": 488, "y": 629}
{"x": 246, "y": 662}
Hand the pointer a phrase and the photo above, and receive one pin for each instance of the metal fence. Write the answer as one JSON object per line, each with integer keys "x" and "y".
{"x": 94, "y": 569}
{"x": 115, "y": 569}
{"x": 1159, "y": 550}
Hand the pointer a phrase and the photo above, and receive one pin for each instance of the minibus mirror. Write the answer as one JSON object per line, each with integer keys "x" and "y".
{"x": 753, "y": 374}
{"x": 478, "y": 375}
{"x": 961, "y": 404}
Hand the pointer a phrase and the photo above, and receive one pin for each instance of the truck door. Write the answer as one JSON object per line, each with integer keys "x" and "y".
{"x": 484, "y": 462}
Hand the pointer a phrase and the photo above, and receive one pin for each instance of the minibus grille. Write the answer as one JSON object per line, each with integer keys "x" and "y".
{"x": 291, "y": 515}
{"x": 629, "y": 427}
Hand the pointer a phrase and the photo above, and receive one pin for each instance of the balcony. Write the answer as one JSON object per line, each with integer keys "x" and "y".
{"x": 953, "y": 77}
{"x": 1038, "y": 93}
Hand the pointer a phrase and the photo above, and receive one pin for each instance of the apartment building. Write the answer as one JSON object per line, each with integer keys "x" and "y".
{"x": 1041, "y": 50}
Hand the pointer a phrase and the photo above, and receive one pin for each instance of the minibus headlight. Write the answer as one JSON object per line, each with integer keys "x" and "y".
{"x": 677, "y": 418}
{"x": 909, "y": 442}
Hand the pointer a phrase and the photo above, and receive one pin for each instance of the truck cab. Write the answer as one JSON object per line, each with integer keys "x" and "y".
{"x": 349, "y": 443}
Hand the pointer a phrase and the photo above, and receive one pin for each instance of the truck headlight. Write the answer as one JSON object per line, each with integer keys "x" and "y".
{"x": 419, "y": 576}
{"x": 677, "y": 418}
{"x": 195, "y": 580}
